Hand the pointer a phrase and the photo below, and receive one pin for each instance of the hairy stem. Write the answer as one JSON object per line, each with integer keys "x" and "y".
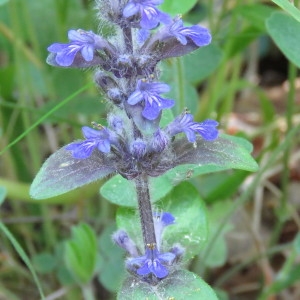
{"x": 145, "y": 211}
{"x": 128, "y": 39}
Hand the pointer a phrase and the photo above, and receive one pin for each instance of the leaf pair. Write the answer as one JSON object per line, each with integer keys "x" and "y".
{"x": 62, "y": 172}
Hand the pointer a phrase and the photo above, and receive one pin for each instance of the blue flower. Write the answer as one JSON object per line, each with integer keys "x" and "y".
{"x": 164, "y": 218}
{"x": 152, "y": 262}
{"x": 122, "y": 239}
{"x": 199, "y": 35}
{"x": 159, "y": 141}
{"x": 184, "y": 123}
{"x": 175, "y": 40}
{"x": 142, "y": 35}
{"x": 116, "y": 123}
{"x": 161, "y": 221}
{"x": 149, "y": 92}
{"x": 149, "y": 14}
{"x": 85, "y": 42}
{"x": 100, "y": 139}
{"x": 138, "y": 148}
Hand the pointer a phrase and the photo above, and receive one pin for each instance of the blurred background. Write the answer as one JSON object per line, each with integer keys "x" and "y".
{"x": 243, "y": 79}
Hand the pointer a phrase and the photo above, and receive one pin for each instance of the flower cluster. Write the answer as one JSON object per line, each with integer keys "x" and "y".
{"x": 153, "y": 262}
{"x": 133, "y": 143}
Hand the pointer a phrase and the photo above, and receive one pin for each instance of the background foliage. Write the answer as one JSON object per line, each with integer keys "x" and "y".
{"x": 247, "y": 247}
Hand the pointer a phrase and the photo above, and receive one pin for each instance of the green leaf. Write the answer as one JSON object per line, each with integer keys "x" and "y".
{"x": 62, "y": 272}
{"x": 180, "y": 285}
{"x": 190, "y": 229}
{"x": 44, "y": 262}
{"x": 2, "y": 194}
{"x": 62, "y": 173}
{"x": 196, "y": 66}
{"x": 81, "y": 253}
{"x": 166, "y": 118}
{"x": 112, "y": 257}
{"x": 218, "y": 254}
{"x": 227, "y": 152}
{"x": 3, "y": 2}
{"x": 289, "y": 8}
{"x": 222, "y": 185}
{"x": 177, "y": 7}
{"x": 241, "y": 41}
{"x": 222, "y": 295}
{"x": 256, "y": 14}
{"x": 64, "y": 276}
{"x": 202, "y": 63}
{"x": 285, "y": 31}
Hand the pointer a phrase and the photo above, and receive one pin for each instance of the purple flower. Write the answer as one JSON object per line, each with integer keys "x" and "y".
{"x": 149, "y": 14}
{"x": 138, "y": 148}
{"x": 175, "y": 40}
{"x": 85, "y": 42}
{"x": 159, "y": 141}
{"x": 100, "y": 139}
{"x": 161, "y": 221}
{"x": 184, "y": 123}
{"x": 199, "y": 35}
{"x": 142, "y": 35}
{"x": 116, "y": 123}
{"x": 149, "y": 92}
{"x": 152, "y": 262}
{"x": 165, "y": 218}
{"x": 122, "y": 239}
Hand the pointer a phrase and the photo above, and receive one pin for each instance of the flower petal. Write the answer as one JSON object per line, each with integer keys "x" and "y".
{"x": 135, "y": 97}
{"x": 81, "y": 150}
{"x": 130, "y": 9}
{"x": 87, "y": 53}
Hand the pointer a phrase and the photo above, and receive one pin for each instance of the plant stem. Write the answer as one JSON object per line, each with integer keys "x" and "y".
{"x": 87, "y": 292}
{"x": 286, "y": 156}
{"x": 145, "y": 211}
{"x": 179, "y": 78}
{"x": 128, "y": 39}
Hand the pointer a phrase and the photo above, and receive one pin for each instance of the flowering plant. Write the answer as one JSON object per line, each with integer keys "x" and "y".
{"x": 136, "y": 146}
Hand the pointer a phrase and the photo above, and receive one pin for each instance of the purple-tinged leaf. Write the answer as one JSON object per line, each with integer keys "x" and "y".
{"x": 224, "y": 153}
{"x": 62, "y": 173}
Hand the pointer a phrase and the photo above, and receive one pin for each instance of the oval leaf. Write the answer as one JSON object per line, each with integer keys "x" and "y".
{"x": 285, "y": 31}
{"x": 112, "y": 270}
{"x": 289, "y": 7}
{"x": 226, "y": 152}
{"x": 81, "y": 253}
{"x": 62, "y": 173}
{"x": 180, "y": 285}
